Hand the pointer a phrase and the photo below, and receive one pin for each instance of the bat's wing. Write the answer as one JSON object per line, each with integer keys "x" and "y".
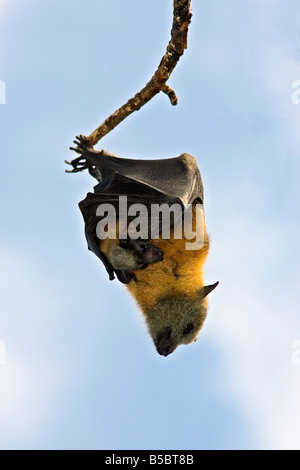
{"x": 167, "y": 181}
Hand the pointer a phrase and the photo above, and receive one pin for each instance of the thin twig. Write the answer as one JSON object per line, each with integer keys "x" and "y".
{"x": 178, "y": 43}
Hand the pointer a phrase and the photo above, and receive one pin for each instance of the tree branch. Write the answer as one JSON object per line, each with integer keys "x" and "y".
{"x": 175, "y": 49}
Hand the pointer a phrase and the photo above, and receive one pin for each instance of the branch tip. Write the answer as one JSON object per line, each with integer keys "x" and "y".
{"x": 171, "y": 94}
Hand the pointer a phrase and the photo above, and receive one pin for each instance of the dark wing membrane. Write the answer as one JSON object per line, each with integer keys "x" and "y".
{"x": 167, "y": 181}
{"x": 176, "y": 177}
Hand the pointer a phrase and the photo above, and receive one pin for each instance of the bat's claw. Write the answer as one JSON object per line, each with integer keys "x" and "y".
{"x": 79, "y": 164}
{"x": 76, "y": 149}
{"x": 69, "y": 163}
{"x": 82, "y": 145}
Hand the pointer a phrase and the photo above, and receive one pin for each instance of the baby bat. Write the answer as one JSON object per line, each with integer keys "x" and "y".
{"x": 164, "y": 273}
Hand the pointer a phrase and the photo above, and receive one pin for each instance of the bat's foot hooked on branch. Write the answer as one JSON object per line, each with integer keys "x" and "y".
{"x": 82, "y": 144}
{"x": 82, "y": 163}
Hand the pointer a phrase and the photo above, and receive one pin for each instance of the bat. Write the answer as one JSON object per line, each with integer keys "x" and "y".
{"x": 162, "y": 268}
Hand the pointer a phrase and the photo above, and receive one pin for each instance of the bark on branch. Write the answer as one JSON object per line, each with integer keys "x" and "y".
{"x": 175, "y": 49}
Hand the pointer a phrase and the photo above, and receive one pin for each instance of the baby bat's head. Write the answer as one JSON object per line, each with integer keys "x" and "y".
{"x": 177, "y": 320}
{"x": 131, "y": 255}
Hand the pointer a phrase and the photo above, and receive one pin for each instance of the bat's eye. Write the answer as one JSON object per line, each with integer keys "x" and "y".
{"x": 188, "y": 328}
{"x": 143, "y": 247}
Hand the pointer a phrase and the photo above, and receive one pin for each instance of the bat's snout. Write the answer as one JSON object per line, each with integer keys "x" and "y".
{"x": 164, "y": 351}
{"x": 163, "y": 343}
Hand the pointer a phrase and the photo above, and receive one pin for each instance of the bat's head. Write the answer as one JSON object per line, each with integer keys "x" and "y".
{"x": 131, "y": 255}
{"x": 177, "y": 320}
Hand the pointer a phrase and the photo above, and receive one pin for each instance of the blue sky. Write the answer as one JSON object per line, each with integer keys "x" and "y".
{"x": 81, "y": 370}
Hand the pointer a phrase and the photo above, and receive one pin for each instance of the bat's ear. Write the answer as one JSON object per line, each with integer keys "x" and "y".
{"x": 204, "y": 291}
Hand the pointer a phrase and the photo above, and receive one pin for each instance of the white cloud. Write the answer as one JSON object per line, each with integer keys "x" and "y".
{"x": 256, "y": 322}
{"x": 29, "y": 395}
{"x": 32, "y": 382}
